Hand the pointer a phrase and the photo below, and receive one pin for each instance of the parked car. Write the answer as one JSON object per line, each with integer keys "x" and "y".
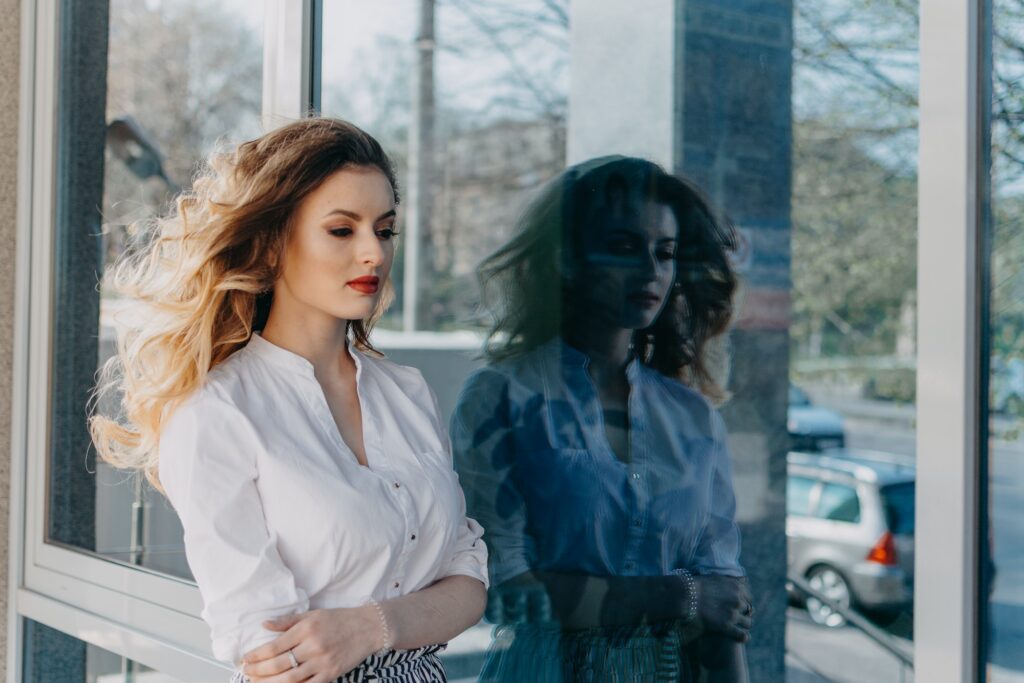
{"x": 850, "y": 530}
{"x": 811, "y": 427}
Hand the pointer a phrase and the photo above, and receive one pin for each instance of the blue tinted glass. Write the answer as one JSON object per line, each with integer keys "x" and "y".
{"x": 1001, "y": 564}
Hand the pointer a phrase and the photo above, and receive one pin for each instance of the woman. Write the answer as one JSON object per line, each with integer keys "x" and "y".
{"x": 312, "y": 475}
{"x": 588, "y": 447}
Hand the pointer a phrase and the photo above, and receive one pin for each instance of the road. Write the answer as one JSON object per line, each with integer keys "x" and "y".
{"x": 846, "y": 656}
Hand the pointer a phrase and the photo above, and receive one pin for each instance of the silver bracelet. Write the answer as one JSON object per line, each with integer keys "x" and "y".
{"x": 388, "y": 643}
{"x": 691, "y": 593}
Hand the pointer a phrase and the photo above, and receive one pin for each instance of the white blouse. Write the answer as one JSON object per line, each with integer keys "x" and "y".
{"x": 280, "y": 517}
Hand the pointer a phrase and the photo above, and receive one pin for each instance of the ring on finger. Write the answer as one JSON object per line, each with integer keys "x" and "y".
{"x": 295, "y": 662}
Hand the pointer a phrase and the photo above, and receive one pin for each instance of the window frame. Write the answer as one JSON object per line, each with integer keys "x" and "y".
{"x": 951, "y": 184}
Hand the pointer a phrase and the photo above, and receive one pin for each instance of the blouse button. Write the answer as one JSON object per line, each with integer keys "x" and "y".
{"x": 636, "y": 475}
{"x": 397, "y": 485}
{"x": 413, "y": 537}
{"x": 636, "y": 522}
{"x": 396, "y": 584}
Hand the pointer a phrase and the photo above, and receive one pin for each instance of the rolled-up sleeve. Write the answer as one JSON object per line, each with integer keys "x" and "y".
{"x": 469, "y": 557}
{"x": 482, "y": 445}
{"x": 207, "y": 466}
{"x": 718, "y": 551}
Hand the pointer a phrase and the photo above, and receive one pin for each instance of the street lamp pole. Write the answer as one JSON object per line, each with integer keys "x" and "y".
{"x": 419, "y": 243}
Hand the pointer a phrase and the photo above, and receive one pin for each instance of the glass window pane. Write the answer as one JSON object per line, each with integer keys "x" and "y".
{"x": 1001, "y": 562}
{"x": 51, "y": 655}
{"x": 852, "y": 332}
{"x": 487, "y": 126}
{"x": 798, "y": 496}
{"x": 838, "y": 503}
{"x": 798, "y": 121}
{"x": 147, "y": 88}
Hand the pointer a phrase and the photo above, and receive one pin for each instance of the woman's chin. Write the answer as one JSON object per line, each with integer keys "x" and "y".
{"x": 357, "y": 311}
{"x": 639, "y": 322}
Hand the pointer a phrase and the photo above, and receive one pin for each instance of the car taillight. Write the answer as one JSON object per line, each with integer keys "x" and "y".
{"x": 884, "y": 551}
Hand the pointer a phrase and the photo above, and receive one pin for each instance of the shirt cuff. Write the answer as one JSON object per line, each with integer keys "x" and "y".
{"x": 472, "y": 569}
{"x": 232, "y": 645}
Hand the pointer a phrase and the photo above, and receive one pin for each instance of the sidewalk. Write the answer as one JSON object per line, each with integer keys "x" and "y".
{"x": 899, "y": 415}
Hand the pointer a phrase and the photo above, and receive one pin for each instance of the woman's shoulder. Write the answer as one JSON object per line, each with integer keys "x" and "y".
{"x": 487, "y": 384}
{"x": 221, "y": 392}
{"x": 682, "y": 392}
{"x": 695, "y": 410}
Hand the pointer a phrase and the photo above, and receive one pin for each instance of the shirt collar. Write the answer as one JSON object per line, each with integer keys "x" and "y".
{"x": 569, "y": 357}
{"x": 289, "y": 359}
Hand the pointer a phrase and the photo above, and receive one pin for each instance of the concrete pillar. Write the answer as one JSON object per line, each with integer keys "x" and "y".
{"x": 10, "y": 41}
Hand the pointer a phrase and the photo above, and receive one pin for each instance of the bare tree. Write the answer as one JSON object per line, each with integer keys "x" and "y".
{"x": 188, "y": 72}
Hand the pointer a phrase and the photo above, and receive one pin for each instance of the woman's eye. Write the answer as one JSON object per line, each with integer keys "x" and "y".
{"x": 341, "y": 232}
{"x": 666, "y": 255}
{"x": 386, "y": 233}
{"x": 622, "y": 247}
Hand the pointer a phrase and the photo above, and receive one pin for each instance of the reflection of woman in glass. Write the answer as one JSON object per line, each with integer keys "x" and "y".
{"x": 587, "y": 447}
{"x": 323, "y": 522}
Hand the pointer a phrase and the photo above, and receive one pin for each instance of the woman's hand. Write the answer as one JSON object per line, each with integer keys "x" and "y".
{"x": 725, "y": 606}
{"x": 327, "y": 643}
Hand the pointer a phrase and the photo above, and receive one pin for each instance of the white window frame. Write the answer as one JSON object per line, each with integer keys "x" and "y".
{"x": 137, "y": 613}
{"x": 949, "y": 428}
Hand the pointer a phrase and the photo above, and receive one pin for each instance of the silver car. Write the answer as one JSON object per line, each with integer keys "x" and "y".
{"x": 850, "y": 529}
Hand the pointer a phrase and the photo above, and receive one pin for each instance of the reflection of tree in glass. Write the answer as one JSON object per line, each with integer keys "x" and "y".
{"x": 512, "y": 57}
{"x": 377, "y": 96}
{"x": 502, "y": 80}
{"x": 1007, "y": 261}
{"x": 854, "y": 176}
{"x": 854, "y": 202}
{"x": 188, "y": 72}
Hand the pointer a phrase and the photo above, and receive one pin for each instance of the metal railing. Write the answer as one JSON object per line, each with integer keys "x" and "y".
{"x": 885, "y": 640}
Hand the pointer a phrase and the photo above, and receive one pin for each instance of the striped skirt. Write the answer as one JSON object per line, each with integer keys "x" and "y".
{"x": 421, "y": 665}
{"x": 545, "y": 654}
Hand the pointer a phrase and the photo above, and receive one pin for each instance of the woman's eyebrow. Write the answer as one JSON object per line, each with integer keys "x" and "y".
{"x": 356, "y": 217}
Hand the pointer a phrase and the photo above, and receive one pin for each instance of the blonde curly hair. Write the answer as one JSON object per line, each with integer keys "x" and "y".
{"x": 203, "y": 281}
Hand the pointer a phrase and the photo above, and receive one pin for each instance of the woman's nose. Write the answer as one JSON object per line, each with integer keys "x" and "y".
{"x": 649, "y": 262}
{"x": 370, "y": 250}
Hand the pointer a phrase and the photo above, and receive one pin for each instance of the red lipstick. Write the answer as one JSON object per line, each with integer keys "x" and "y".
{"x": 645, "y": 299}
{"x": 366, "y": 284}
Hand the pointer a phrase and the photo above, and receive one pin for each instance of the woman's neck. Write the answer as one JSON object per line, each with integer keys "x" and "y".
{"x": 608, "y": 352}
{"x": 319, "y": 338}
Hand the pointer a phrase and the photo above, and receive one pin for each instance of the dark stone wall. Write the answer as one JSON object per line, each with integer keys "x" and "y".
{"x": 734, "y": 136}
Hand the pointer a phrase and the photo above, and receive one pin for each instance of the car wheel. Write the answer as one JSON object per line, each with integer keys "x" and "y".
{"x": 832, "y": 585}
